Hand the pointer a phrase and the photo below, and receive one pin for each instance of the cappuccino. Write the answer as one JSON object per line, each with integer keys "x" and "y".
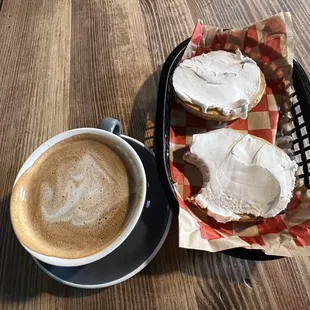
{"x": 74, "y": 200}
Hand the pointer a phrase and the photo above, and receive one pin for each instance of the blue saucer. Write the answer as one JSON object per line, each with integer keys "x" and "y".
{"x": 137, "y": 250}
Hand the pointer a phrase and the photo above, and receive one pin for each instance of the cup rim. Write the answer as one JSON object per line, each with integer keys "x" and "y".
{"x": 72, "y": 262}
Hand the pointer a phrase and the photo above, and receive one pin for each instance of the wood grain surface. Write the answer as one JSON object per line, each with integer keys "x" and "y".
{"x": 67, "y": 64}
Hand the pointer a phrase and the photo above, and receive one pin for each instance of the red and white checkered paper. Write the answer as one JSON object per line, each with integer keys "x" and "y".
{"x": 269, "y": 43}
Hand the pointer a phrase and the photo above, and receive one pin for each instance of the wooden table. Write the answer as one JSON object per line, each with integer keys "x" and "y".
{"x": 67, "y": 64}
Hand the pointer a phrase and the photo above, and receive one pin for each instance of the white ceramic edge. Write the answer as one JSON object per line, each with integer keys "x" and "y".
{"x": 129, "y": 275}
{"x": 138, "y": 142}
{"x": 63, "y": 262}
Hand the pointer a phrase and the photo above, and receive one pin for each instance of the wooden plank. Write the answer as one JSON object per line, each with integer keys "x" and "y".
{"x": 34, "y": 105}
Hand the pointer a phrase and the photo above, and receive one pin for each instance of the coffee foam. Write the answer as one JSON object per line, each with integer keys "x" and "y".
{"x": 74, "y": 200}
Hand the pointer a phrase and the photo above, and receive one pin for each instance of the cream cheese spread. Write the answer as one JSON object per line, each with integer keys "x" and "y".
{"x": 245, "y": 175}
{"x": 228, "y": 82}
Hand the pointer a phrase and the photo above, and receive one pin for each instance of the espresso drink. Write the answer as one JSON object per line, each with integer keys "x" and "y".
{"x": 74, "y": 200}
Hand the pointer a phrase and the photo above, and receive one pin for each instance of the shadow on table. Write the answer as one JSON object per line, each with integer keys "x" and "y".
{"x": 143, "y": 112}
{"x": 20, "y": 278}
{"x": 171, "y": 258}
{"x": 201, "y": 264}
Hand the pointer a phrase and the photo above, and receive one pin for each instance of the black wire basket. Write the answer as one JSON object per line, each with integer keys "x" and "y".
{"x": 300, "y": 145}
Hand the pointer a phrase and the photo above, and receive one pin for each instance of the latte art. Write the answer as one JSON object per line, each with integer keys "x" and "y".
{"x": 79, "y": 197}
{"x": 74, "y": 200}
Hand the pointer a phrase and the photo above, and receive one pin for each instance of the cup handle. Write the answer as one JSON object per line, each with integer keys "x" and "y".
{"x": 110, "y": 124}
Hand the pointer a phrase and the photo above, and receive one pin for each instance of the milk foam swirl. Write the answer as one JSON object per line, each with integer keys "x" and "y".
{"x": 79, "y": 197}
{"x": 74, "y": 200}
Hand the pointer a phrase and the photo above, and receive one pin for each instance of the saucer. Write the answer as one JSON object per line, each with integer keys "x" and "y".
{"x": 137, "y": 250}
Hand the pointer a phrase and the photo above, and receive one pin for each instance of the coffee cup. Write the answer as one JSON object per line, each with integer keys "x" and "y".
{"x": 64, "y": 186}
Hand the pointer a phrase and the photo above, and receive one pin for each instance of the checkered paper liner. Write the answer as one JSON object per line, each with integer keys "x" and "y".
{"x": 269, "y": 43}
